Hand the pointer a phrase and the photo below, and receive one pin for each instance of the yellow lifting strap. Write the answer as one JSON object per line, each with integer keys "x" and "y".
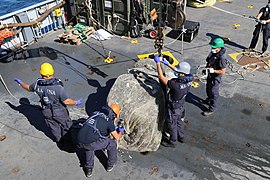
{"x": 166, "y": 54}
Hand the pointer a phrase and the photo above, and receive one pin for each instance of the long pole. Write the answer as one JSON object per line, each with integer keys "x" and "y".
{"x": 183, "y": 28}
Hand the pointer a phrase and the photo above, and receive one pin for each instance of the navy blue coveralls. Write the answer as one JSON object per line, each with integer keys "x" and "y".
{"x": 261, "y": 27}
{"x": 88, "y": 141}
{"x": 179, "y": 88}
{"x": 218, "y": 62}
{"x": 52, "y": 94}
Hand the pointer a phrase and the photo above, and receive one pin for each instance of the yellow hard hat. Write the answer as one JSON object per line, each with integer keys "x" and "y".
{"x": 46, "y": 69}
{"x": 116, "y": 109}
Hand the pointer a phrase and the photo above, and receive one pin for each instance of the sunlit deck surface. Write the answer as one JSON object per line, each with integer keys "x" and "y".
{"x": 233, "y": 143}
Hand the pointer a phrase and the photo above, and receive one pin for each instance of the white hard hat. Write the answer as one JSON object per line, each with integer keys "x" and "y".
{"x": 183, "y": 67}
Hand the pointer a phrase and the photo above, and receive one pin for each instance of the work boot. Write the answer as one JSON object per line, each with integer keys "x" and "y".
{"x": 181, "y": 140}
{"x": 207, "y": 113}
{"x": 165, "y": 135}
{"x": 167, "y": 144}
{"x": 109, "y": 168}
{"x": 88, "y": 172}
{"x": 264, "y": 54}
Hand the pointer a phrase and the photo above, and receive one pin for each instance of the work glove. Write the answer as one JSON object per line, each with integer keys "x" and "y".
{"x": 79, "y": 102}
{"x": 208, "y": 71}
{"x": 263, "y": 22}
{"x": 165, "y": 62}
{"x": 156, "y": 59}
{"x": 17, "y": 80}
{"x": 211, "y": 70}
{"x": 120, "y": 129}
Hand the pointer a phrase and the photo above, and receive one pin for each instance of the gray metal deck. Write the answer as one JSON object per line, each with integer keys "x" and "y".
{"x": 233, "y": 143}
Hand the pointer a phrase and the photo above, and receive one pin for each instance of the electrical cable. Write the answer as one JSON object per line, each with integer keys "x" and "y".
{"x": 26, "y": 103}
{"x": 228, "y": 12}
{"x": 2, "y": 80}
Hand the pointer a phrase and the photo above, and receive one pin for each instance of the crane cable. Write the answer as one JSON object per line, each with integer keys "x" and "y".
{"x": 159, "y": 42}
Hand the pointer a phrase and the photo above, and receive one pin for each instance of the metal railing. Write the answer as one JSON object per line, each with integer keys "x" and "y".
{"x": 28, "y": 35}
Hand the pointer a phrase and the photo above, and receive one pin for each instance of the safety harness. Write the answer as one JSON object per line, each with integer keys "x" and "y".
{"x": 213, "y": 63}
{"x": 266, "y": 14}
{"x": 92, "y": 122}
{"x": 184, "y": 83}
{"x": 47, "y": 102}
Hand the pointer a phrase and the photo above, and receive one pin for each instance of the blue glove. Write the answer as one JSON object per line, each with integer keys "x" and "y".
{"x": 165, "y": 62}
{"x": 17, "y": 80}
{"x": 120, "y": 129}
{"x": 156, "y": 59}
{"x": 79, "y": 102}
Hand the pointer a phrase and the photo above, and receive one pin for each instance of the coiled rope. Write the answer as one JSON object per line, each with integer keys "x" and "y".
{"x": 242, "y": 71}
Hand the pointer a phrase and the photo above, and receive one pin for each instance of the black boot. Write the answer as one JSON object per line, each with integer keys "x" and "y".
{"x": 88, "y": 172}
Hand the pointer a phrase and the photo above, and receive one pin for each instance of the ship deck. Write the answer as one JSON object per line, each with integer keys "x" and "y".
{"x": 233, "y": 143}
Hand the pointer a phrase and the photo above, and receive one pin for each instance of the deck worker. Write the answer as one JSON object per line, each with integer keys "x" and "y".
{"x": 263, "y": 18}
{"x": 179, "y": 88}
{"x": 95, "y": 135}
{"x": 215, "y": 67}
{"x": 53, "y": 100}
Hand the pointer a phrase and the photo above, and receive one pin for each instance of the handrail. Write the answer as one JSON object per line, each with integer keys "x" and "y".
{"x": 43, "y": 16}
{"x": 5, "y": 16}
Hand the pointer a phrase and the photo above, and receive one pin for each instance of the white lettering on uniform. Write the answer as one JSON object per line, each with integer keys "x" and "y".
{"x": 39, "y": 90}
{"x": 91, "y": 121}
{"x": 183, "y": 86}
{"x": 52, "y": 92}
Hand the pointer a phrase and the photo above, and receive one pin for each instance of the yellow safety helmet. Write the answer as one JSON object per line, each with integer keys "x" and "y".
{"x": 46, "y": 69}
{"x": 116, "y": 109}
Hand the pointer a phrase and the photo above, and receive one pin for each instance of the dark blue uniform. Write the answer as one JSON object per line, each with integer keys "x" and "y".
{"x": 52, "y": 94}
{"x": 261, "y": 27}
{"x": 218, "y": 62}
{"x": 179, "y": 87}
{"x": 88, "y": 140}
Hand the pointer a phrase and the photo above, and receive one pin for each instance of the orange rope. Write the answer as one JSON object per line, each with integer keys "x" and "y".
{"x": 5, "y": 33}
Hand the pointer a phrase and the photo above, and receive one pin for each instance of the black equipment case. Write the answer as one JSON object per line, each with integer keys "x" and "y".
{"x": 192, "y": 29}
